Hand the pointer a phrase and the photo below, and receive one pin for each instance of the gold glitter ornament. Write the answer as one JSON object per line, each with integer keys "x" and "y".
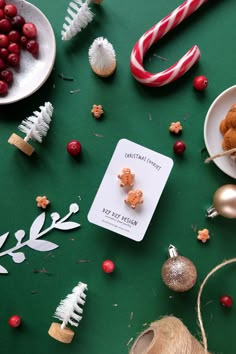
{"x": 178, "y": 273}
{"x": 224, "y": 202}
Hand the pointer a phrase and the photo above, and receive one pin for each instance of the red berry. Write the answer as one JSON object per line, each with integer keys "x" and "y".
{"x": 14, "y": 36}
{"x": 4, "y": 53}
{"x": 13, "y": 59}
{"x": 3, "y": 87}
{"x": 74, "y": 147}
{"x": 29, "y": 30}
{"x": 3, "y": 41}
{"x": 10, "y": 10}
{"x": 14, "y": 48}
{"x": 23, "y": 41}
{"x": 108, "y": 266}
{"x": 7, "y": 76}
{"x": 200, "y": 83}
{"x": 17, "y": 22}
{"x": 2, "y": 15}
{"x": 226, "y": 300}
{"x": 2, "y": 4}
{"x": 5, "y": 25}
{"x": 2, "y": 64}
{"x": 32, "y": 46}
{"x": 179, "y": 147}
{"x": 14, "y": 321}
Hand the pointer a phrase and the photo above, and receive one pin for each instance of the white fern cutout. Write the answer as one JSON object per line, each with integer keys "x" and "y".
{"x": 36, "y": 126}
{"x": 79, "y": 16}
{"x": 69, "y": 310}
{"x": 101, "y": 54}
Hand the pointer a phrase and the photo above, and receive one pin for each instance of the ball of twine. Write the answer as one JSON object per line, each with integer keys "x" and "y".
{"x": 170, "y": 336}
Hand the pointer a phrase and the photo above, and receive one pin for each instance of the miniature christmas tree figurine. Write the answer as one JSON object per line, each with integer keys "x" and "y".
{"x": 102, "y": 57}
{"x": 79, "y": 16}
{"x": 35, "y": 127}
{"x": 68, "y": 311}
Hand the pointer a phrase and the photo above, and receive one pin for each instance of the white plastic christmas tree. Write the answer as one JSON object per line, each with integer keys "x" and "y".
{"x": 102, "y": 57}
{"x": 79, "y": 16}
{"x": 69, "y": 311}
{"x": 35, "y": 127}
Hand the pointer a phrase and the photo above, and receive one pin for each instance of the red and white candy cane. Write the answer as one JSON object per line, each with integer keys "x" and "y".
{"x": 152, "y": 36}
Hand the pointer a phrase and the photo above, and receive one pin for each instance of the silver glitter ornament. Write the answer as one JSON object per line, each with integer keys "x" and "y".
{"x": 224, "y": 202}
{"x": 178, "y": 272}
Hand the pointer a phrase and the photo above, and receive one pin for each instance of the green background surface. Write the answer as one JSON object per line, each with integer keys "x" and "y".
{"x": 142, "y": 115}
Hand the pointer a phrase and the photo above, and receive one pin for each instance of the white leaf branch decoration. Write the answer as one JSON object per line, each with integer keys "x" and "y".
{"x": 79, "y": 15}
{"x": 35, "y": 233}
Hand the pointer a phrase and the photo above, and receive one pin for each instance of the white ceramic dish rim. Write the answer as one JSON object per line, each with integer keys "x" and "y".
{"x": 212, "y": 136}
{"x": 42, "y": 66}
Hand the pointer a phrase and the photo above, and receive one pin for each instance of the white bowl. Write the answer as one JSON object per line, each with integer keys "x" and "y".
{"x": 212, "y": 135}
{"x": 32, "y": 72}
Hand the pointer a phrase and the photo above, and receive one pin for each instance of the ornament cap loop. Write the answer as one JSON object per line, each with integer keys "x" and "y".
{"x": 173, "y": 252}
{"x": 212, "y": 212}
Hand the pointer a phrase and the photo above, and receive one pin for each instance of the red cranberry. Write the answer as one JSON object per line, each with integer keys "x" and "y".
{"x": 23, "y": 41}
{"x": 10, "y": 10}
{"x": 5, "y": 25}
{"x": 29, "y": 30}
{"x": 13, "y": 59}
{"x": 200, "y": 83}
{"x": 226, "y": 300}
{"x": 3, "y": 41}
{"x": 14, "y": 36}
{"x": 2, "y": 15}
{"x": 14, "y": 48}
{"x": 74, "y": 147}
{"x": 3, "y": 87}
{"x": 2, "y": 64}
{"x": 32, "y": 46}
{"x": 3, "y": 53}
{"x": 17, "y": 22}
{"x": 7, "y": 76}
{"x": 108, "y": 266}
{"x": 2, "y": 4}
{"x": 14, "y": 321}
{"x": 179, "y": 147}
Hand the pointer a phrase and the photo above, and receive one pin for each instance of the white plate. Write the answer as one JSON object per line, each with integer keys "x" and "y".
{"x": 212, "y": 136}
{"x": 32, "y": 72}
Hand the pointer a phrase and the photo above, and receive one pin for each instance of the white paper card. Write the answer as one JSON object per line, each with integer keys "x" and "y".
{"x": 151, "y": 171}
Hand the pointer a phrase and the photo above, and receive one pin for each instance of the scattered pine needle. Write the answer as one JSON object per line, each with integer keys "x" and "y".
{"x": 131, "y": 316}
{"x": 61, "y": 75}
{"x": 98, "y": 135}
{"x": 131, "y": 339}
{"x": 43, "y": 270}
{"x": 83, "y": 261}
{"x": 75, "y": 91}
{"x": 160, "y": 57}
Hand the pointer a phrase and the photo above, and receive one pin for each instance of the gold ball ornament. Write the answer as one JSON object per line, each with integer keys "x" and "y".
{"x": 224, "y": 202}
{"x": 178, "y": 273}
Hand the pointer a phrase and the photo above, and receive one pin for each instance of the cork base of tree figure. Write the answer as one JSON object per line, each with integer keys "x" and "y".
{"x": 102, "y": 57}
{"x": 70, "y": 312}
{"x": 35, "y": 127}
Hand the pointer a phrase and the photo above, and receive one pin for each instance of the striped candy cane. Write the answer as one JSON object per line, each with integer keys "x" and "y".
{"x": 152, "y": 36}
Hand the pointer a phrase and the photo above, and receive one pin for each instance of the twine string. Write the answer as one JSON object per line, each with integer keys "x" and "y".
{"x": 199, "y": 315}
{"x": 228, "y": 152}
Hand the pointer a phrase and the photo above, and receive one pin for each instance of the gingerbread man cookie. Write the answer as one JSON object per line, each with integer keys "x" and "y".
{"x": 126, "y": 177}
{"x": 134, "y": 198}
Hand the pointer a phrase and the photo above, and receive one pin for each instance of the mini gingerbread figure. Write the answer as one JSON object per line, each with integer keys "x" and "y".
{"x": 134, "y": 198}
{"x": 126, "y": 177}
